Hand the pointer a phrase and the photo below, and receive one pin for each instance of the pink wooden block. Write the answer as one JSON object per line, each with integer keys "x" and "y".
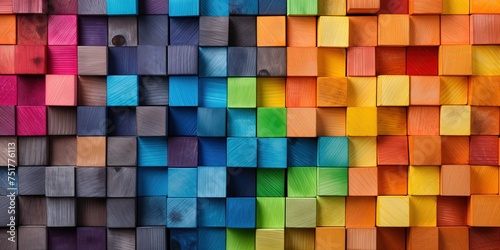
{"x": 361, "y": 61}
{"x": 63, "y": 60}
{"x": 8, "y": 90}
{"x": 62, "y": 30}
{"x": 7, "y": 120}
{"x": 31, "y": 120}
{"x": 31, "y": 90}
{"x": 60, "y": 90}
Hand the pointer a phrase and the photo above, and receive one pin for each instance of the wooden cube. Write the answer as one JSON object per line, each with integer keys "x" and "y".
{"x": 33, "y": 210}
{"x": 32, "y": 29}
{"x": 455, "y": 120}
{"x": 482, "y": 89}
{"x": 425, "y": 30}
{"x": 482, "y": 212}
{"x": 300, "y": 212}
{"x": 301, "y": 31}
{"x": 455, "y": 150}
{"x": 331, "y": 7}
{"x": 301, "y": 122}
{"x": 214, "y": 31}
{"x": 30, "y": 59}
{"x": 92, "y": 60}
{"x": 357, "y": 7}
{"x": 242, "y": 61}
{"x": 269, "y": 239}
{"x": 423, "y": 211}
{"x": 271, "y": 122}
{"x": 6, "y": 7}
{"x": 243, "y": 31}
{"x": 455, "y": 180}
{"x": 121, "y": 182}
{"x": 60, "y": 90}
{"x": 451, "y": 211}
{"x": 121, "y": 238}
{"x": 455, "y": 60}
{"x": 425, "y": 90}
{"x": 302, "y": 8}
{"x": 271, "y": 61}
{"x": 333, "y": 31}
{"x": 362, "y": 31}
{"x": 391, "y": 238}
{"x": 367, "y": 127}
{"x": 33, "y": 151}
{"x": 8, "y": 29}
{"x": 483, "y": 150}
{"x": 360, "y": 212}
{"x": 391, "y": 120}
{"x": 392, "y": 180}
{"x": 454, "y": 90}
{"x": 7, "y": 66}
{"x": 331, "y": 181}
{"x": 484, "y": 180}
{"x": 270, "y": 92}
{"x": 390, "y": 60}
{"x": 62, "y": 120}
{"x": 361, "y": 61}
{"x": 423, "y": 238}
{"x": 393, "y": 30}
{"x": 393, "y": 90}
{"x": 361, "y": 91}
{"x": 30, "y": 7}
{"x": 453, "y": 238}
{"x": 60, "y": 182}
{"x": 91, "y": 151}
{"x": 62, "y": 151}
{"x": 426, "y": 6}
{"x": 393, "y": 211}
{"x": 30, "y": 236}
{"x": 483, "y": 58}
{"x": 330, "y": 121}
{"x": 238, "y": 90}
{"x": 456, "y": 7}
{"x": 62, "y": 30}
{"x": 416, "y": 55}
{"x": 361, "y": 238}
{"x": 425, "y": 150}
{"x": 392, "y": 150}
{"x": 332, "y": 238}
{"x": 423, "y": 120}
{"x": 186, "y": 58}
{"x": 31, "y": 180}
{"x": 31, "y": 120}
{"x": 9, "y": 125}
{"x": 271, "y": 31}
{"x": 91, "y": 182}
{"x": 484, "y": 7}
{"x": 300, "y": 92}
{"x": 122, "y": 90}
{"x": 61, "y": 212}
{"x": 117, "y": 216}
{"x": 331, "y": 62}
{"x": 362, "y": 151}
{"x": 454, "y": 28}
{"x": 331, "y": 92}
{"x": 484, "y": 120}
{"x": 363, "y": 182}
{"x": 423, "y": 180}
{"x": 302, "y": 61}
{"x": 330, "y": 211}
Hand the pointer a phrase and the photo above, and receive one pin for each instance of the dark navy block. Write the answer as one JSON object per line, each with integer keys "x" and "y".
{"x": 211, "y": 238}
{"x": 149, "y": 7}
{"x": 241, "y": 182}
{"x": 240, "y": 212}
{"x": 212, "y": 122}
{"x": 91, "y": 120}
{"x": 183, "y": 239}
{"x": 272, "y": 7}
{"x": 152, "y": 211}
{"x": 92, "y": 30}
{"x": 211, "y": 212}
{"x": 242, "y": 61}
{"x": 122, "y": 121}
{"x": 184, "y": 31}
{"x": 212, "y": 92}
{"x": 243, "y": 7}
{"x": 152, "y": 181}
{"x": 182, "y": 121}
{"x": 241, "y": 152}
{"x": 122, "y": 61}
{"x": 153, "y": 30}
{"x": 181, "y": 213}
{"x": 211, "y": 151}
{"x": 302, "y": 152}
{"x": 241, "y": 122}
{"x": 272, "y": 152}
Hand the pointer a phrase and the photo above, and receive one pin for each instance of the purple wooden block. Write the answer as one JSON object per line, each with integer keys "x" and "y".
{"x": 153, "y": 7}
{"x": 7, "y": 120}
{"x": 31, "y": 90}
{"x": 8, "y": 90}
{"x": 91, "y": 238}
{"x": 93, "y": 30}
{"x": 61, "y": 238}
{"x": 183, "y": 151}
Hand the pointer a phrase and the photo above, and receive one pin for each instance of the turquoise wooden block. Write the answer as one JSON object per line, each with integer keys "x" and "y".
{"x": 248, "y": 7}
{"x": 183, "y": 91}
{"x": 152, "y": 211}
{"x": 214, "y": 8}
{"x": 211, "y": 238}
{"x": 182, "y": 182}
{"x": 152, "y": 182}
{"x": 211, "y": 182}
{"x": 272, "y": 152}
{"x": 241, "y": 152}
{"x": 212, "y": 61}
{"x": 184, "y": 7}
{"x": 122, "y": 7}
{"x": 122, "y": 90}
{"x": 211, "y": 212}
{"x": 333, "y": 152}
{"x": 240, "y": 212}
{"x": 212, "y": 122}
{"x": 181, "y": 213}
{"x": 152, "y": 151}
{"x": 302, "y": 152}
{"x": 212, "y": 92}
{"x": 241, "y": 122}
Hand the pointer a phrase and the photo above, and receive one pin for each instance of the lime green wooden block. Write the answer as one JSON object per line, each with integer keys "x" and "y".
{"x": 301, "y": 212}
{"x": 271, "y": 122}
{"x": 302, "y": 7}
{"x": 332, "y": 181}
{"x": 270, "y": 212}
{"x": 302, "y": 182}
{"x": 270, "y": 182}
{"x": 241, "y": 92}
{"x": 240, "y": 239}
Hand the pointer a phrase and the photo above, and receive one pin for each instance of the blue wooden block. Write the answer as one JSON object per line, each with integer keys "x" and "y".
{"x": 214, "y": 8}
{"x": 241, "y": 182}
{"x": 242, "y": 61}
{"x": 272, "y": 7}
{"x": 153, "y": 30}
{"x": 182, "y": 121}
{"x": 243, "y": 7}
{"x": 122, "y": 121}
{"x": 302, "y": 152}
{"x": 211, "y": 238}
{"x": 152, "y": 151}
{"x": 240, "y": 212}
{"x": 122, "y": 61}
{"x": 181, "y": 213}
{"x": 91, "y": 120}
{"x": 184, "y": 31}
{"x": 211, "y": 182}
{"x": 211, "y": 212}
{"x": 184, "y": 7}
{"x": 152, "y": 211}
{"x": 212, "y": 151}
{"x": 241, "y": 122}
{"x": 212, "y": 61}
{"x": 212, "y": 122}
{"x": 182, "y": 60}
{"x": 333, "y": 152}
{"x": 241, "y": 152}
{"x": 183, "y": 91}
{"x": 152, "y": 60}
{"x": 122, "y": 7}
{"x": 153, "y": 7}
{"x": 5, "y": 183}
{"x": 272, "y": 152}
{"x": 122, "y": 90}
{"x": 184, "y": 239}
{"x": 212, "y": 92}
{"x": 152, "y": 182}
{"x": 182, "y": 182}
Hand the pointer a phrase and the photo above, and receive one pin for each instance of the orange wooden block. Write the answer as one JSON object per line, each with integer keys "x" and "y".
{"x": 483, "y": 180}
{"x": 392, "y": 180}
{"x": 301, "y": 31}
{"x": 362, "y": 6}
{"x": 455, "y": 180}
{"x": 393, "y": 30}
{"x": 391, "y": 120}
{"x": 7, "y": 53}
{"x": 454, "y": 29}
{"x": 60, "y": 90}
{"x": 360, "y": 212}
{"x": 425, "y": 90}
{"x": 425, "y": 30}
{"x": 422, "y": 238}
{"x": 483, "y": 211}
{"x": 390, "y": 61}
{"x": 300, "y": 92}
{"x": 362, "y": 31}
{"x": 300, "y": 238}
{"x": 7, "y": 29}
{"x": 484, "y": 90}
{"x": 391, "y": 238}
{"x": 484, "y": 7}
{"x": 455, "y": 60}
{"x": 392, "y": 150}
{"x": 484, "y": 120}
{"x": 332, "y": 62}
{"x": 425, "y": 150}
{"x": 6, "y": 7}
{"x": 302, "y": 61}
{"x": 451, "y": 211}
{"x": 455, "y": 150}
{"x": 330, "y": 121}
{"x": 361, "y": 61}
{"x": 425, "y": 6}
{"x": 330, "y": 238}
{"x": 453, "y": 238}
{"x": 363, "y": 182}
{"x": 481, "y": 27}
{"x": 271, "y": 31}
{"x": 423, "y": 120}
{"x": 91, "y": 151}
{"x": 362, "y": 238}
{"x": 301, "y": 122}
{"x": 331, "y": 92}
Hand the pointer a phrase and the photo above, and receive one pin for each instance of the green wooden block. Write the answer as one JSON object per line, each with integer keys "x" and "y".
{"x": 270, "y": 212}
{"x": 270, "y": 182}
{"x": 240, "y": 239}
{"x": 302, "y": 182}
{"x": 301, "y": 212}
{"x": 241, "y": 92}
{"x": 302, "y": 7}
{"x": 271, "y": 122}
{"x": 332, "y": 181}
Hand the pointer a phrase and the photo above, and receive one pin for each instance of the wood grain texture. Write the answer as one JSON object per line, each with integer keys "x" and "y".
{"x": 62, "y": 238}
{"x": 355, "y": 127}
{"x": 91, "y": 237}
{"x": 243, "y": 31}
{"x": 425, "y": 150}
{"x": 242, "y": 152}
{"x": 91, "y": 91}
{"x": 361, "y": 238}
{"x": 393, "y": 211}
{"x": 332, "y": 7}
{"x": 392, "y": 180}
{"x": 182, "y": 60}
{"x": 63, "y": 7}
{"x": 121, "y": 213}
{"x": 271, "y": 122}
{"x": 455, "y": 150}
{"x": 484, "y": 7}
{"x": 390, "y": 60}
{"x": 92, "y": 60}
{"x": 212, "y": 61}
{"x": 92, "y": 7}
{"x": 91, "y": 151}
{"x": 90, "y": 182}
{"x": 482, "y": 57}
{"x": 29, "y": 6}
{"x": 181, "y": 213}
{"x": 92, "y": 30}
{"x": 455, "y": 180}
{"x": 455, "y": 120}
{"x": 422, "y": 238}
{"x": 61, "y": 212}
{"x": 7, "y": 120}
{"x": 6, "y": 7}
{"x": 270, "y": 239}
{"x": 299, "y": 239}
{"x": 8, "y": 29}
{"x": 455, "y": 60}
{"x": 365, "y": 6}
{"x": 423, "y": 180}
{"x": 7, "y": 65}
{"x": 151, "y": 238}
{"x": 271, "y": 31}
{"x": 91, "y": 120}
{"x": 125, "y": 26}
{"x": 31, "y": 120}
{"x": 362, "y": 31}
{"x": 329, "y": 25}
{"x": 32, "y": 237}
{"x": 60, "y": 90}
{"x": 416, "y": 56}
{"x": 62, "y": 30}
{"x": 153, "y": 29}
{"x": 361, "y": 61}
{"x": 182, "y": 151}
{"x": 62, "y": 60}
{"x": 31, "y": 180}
{"x": 391, "y": 238}
{"x": 481, "y": 211}
{"x": 301, "y": 92}
{"x": 152, "y": 60}
{"x": 332, "y": 238}
{"x": 237, "y": 238}
{"x": 271, "y": 61}
{"x": 33, "y": 151}
{"x": 422, "y": 211}
{"x": 425, "y": 7}
{"x": 485, "y": 121}
{"x": 30, "y": 59}
{"x": 211, "y": 122}
{"x": 214, "y": 31}
{"x": 300, "y": 213}
{"x": 31, "y": 90}
{"x": 149, "y": 7}
{"x": 153, "y": 90}
{"x": 121, "y": 120}
{"x": 330, "y": 121}
{"x": 152, "y": 211}
{"x": 484, "y": 180}
{"x": 32, "y": 210}
{"x": 454, "y": 29}
{"x": 360, "y": 212}
{"x": 122, "y": 61}
{"x": 423, "y": 120}
{"x": 270, "y": 212}
{"x": 388, "y": 25}
{"x": 425, "y": 30}
{"x": 121, "y": 151}
{"x": 483, "y": 238}
{"x": 301, "y": 31}
{"x": 242, "y": 61}
{"x": 4, "y": 205}
{"x": 392, "y": 150}
{"x": 121, "y": 182}
{"x": 32, "y": 29}
{"x": 301, "y": 122}
{"x": 91, "y": 212}
{"x": 454, "y": 90}
{"x": 60, "y": 182}
{"x": 425, "y": 90}
{"x": 453, "y": 238}
{"x": 184, "y": 31}
{"x": 270, "y": 92}
{"x": 393, "y": 90}
{"x": 483, "y": 150}
{"x": 121, "y": 239}
{"x": 482, "y": 89}
{"x": 4, "y": 141}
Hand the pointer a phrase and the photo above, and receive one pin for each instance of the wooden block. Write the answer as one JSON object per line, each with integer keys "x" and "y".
{"x": 122, "y": 121}
{"x": 391, "y": 238}
{"x": 423, "y": 238}
{"x": 301, "y": 92}
{"x": 29, "y": 7}
{"x": 153, "y": 90}
{"x": 330, "y": 121}
{"x": 91, "y": 237}
{"x": 152, "y": 181}
{"x": 151, "y": 151}
{"x": 360, "y": 212}
{"x": 393, "y": 90}
{"x": 152, "y": 29}
{"x": 455, "y": 150}
{"x": 214, "y": 31}
{"x": 483, "y": 150}
{"x": 62, "y": 30}
{"x": 8, "y": 29}
{"x": 62, "y": 7}
{"x": 363, "y": 151}
{"x": 32, "y": 30}
{"x": 30, "y": 59}
{"x": 122, "y": 90}
{"x": 91, "y": 91}
{"x": 302, "y": 61}
{"x": 331, "y": 181}
{"x": 271, "y": 31}
{"x": 368, "y": 127}
{"x": 92, "y": 7}
{"x": 425, "y": 90}
{"x": 92, "y": 60}
{"x": 186, "y": 58}
{"x": 151, "y": 238}
{"x": 61, "y": 121}
{"x": 63, "y": 60}
{"x": 331, "y": 62}
{"x": 455, "y": 60}
{"x": 91, "y": 182}
{"x": 454, "y": 90}
{"x": 8, "y": 118}
{"x": 178, "y": 8}
{"x": 60, "y": 90}
{"x": 391, "y": 120}
{"x": 302, "y": 152}
{"x": 184, "y": 31}
{"x": 481, "y": 211}
{"x": 115, "y": 7}
{"x": 60, "y": 181}
{"x": 426, "y": 7}
{"x": 8, "y": 53}
{"x": 213, "y": 61}
{"x": 31, "y": 120}
{"x": 484, "y": 7}
{"x": 61, "y": 212}
{"x": 212, "y": 212}
{"x": 211, "y": 182}
{"x": 423, "y": 180}
{"x": 212, "y": 152}
{"x": 278, "y": 157}
{"x": 122, "y": 61}
{"x": 390, "y": 60}
{"x": 453, "y": 238}
{"x": 243, "y": 8}
{"x": 483, "y": 238}
{"x": 32, "y": 210}
{"x": 301, "y": 31}
{"x": 33, "y": 151}
{"x": 483, "y": 180}
{"x": 121, "y": 239}
{"x": 302, "y": 182}
{"x": 270, "y": 61}
{"x": 392, "y": 150}
{"x": 243, "y": 181}
{"x": 152, "y": 60}
{"x": 6, "y": 7}
{"x": 243, "y": 31}
{"x": 122, "y": 31}
{"x": 330, "y": 25}
{"x": 417, "y": 55}
{"x": 454, "y": 28}
{"x": 482, "y": 57}
{"x": 423, "y": 211}
{"x": 330, "y": 211}
{"x": 392, "y": 180}
{"x": 301, "y": 122}
{"x": 455, "y": 180}
{"x": 482, "y": 89}
{"x": 484, "y": 120}
{"x": 363, "y": 182}
{"x": 31, "y": 180}
{"x": 358, "y": 7}
{"x": 182, "y": 151}
{"x": 270, "y": 92}
{"x": 389, "y": 25}
{"x": 236, "y": 208}
{"x": 61, "y": 238}
{"x": 91, "y": 120}
{"x": 393, "y": 211}
{"x": 4, "y": 159}
{"x": 362, "y": 238}
{"x": 269, "y": 239}
{"x": 332, "y": 238}
{"x": 213, "y": 8}
{"x": 275, "y": 7}
{"x": 356, "y": 55}
{"x": 183, "y": 91}
{"x": 362, "y": 31}
{"x": 423, "y": 120}
{"x": 302, "y": 8}
{"x": 91, "y": 151}
{"x": 455, "y": 7}
{"x": 151, "y": 121}
{"x": 332, "y": 91}
{"x": 299, "y": 239}
{"x": 32, "y": 237}
{"x": 121, "y": 213}
{"x": 455, "y": 120}
{"x": 270, "y": 212}
{"x": 333, "y": 152}
{"x": 121, "y": 182}
{"x": 31, "y": 90}
{"x": 300, "y": 212}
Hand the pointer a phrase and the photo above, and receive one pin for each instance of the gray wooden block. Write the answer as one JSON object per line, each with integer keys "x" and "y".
{"x": 32, "y": 210}
{"x": 61, "y": 120}
{"x": 90, "y": 182}
{"x": 121, "y": 151}
{"x": 121, "y": 213}
{"x": 271, "y": 61}
{"x": 62, "y": 150}
{"x": 31, "y": 180}
{"x": 91, "y": 212}
{"x": 214, "y": 31}
{"x": 93, "y": 60}
{"x": 243, "y": 31}
{"x": 122, "y": 31}
{"x": 242, "y": 61}
{"x": 92, "y": 7}
{"x": 5, "y": 243}
{"x": 61, "y": 212}
{"x": 4, "y": 148}
{"x": 91, "y": 90}
{"x": 151, "y": 238}
{"x": 121, "y": 181}
{"x": 152, "y": 121}
{"x": 153, "y": 30}
{"x": 60, "y": 181}
{"x": 151, "y": 60}
{"x": 153, "y": 90}
{"x": 121, "y": 239}
{"x": 33, "y": 151}
{"x": 7, "y": 205}
{"x": 182, "y": 60}
{"x": 32, "y": 238}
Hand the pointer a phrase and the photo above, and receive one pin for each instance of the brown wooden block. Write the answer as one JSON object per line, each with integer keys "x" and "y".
{"x": 331, "y": 92}
{"x": 301, "y": 31}
{"x": 455, "y": 150}
{"x": 122, "y": 151}
{"x": 299, "y": 238}
{"x": 33, "y": 151}
{"x": 425, "y": 150}
{"x": 455, "y": 180}
{"x": 392, "y": 180}
{"x": 392, "y": 150}
{"x": 390, "y": 61}
{"x": 391, "y": 238}
{"x": 425, "y": 90}
{"x": 453, "y": 238}
{"x": 484, "y": 120}
{"x": 362, "y": 238}
{"x": 360, "y": 212}
{"x": 92, "y": 60}
{"x": 484, "y": 150}
{"x": 423, "y": 120}
{"x": 32, "y": 210}
{"x": 61, "y": 120}
{"x": 32, "y": 29}
{"x": 484, "y": 238}
{"x": 425, "y": 30}
{"x": 91, "y": 151}
{"x": 32, "y": 238}
{"x": 331, "y": 238}
{"x": 91, "y": 91}
{"x": 330, "y": 121}
{"x": 391, "y": 120}
{"x": 484, "y": 180}
{"x": 451, "y": 211}
{"x": 454, "y": 29}
{"x": 363, "y": 182}
{"x": 365, "y": 6}
{"x": 30, "y": 59}
{"x": 30, "y": 6}
{"x": 62, "y": 151}
{"x": 91, "y": 212}
{"x": 422, "y": 238}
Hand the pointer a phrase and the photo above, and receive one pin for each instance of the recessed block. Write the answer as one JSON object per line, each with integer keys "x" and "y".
{"x": 8, "y": 125}
{"x": 301, "y": 31}
{"x": 423, "y": 211}
{"x": 302, "y": 152}
{"x": 121, "y": 151}
{"x": 31, "y": 180}
{"x": 361, "y": 91}
{"x": 484, "y": 120}
{"x": 455, "y": 60}
{"x": 362, "y": 31}
{"x": 390, "y": 60}
{"x": 362, "y": 151}
{"x": 33, "y": 151}
{"x": 455, "y": 180}
{"x": 182, "y": 60}
{"x": 178, "y": 7}
{"x": 425, "y": 90}
{"x": 270, "y": 92}
{"x": 151, "y": 121}
{"x": 270, "y": 212}
{"x": 117, "y": 7}
{"x": 454, "y": 90}
{"x": 302, "y": 61}
{"x": 301, "y": 182}
{"x": 214, "y": 31}
{"x": 417, "y": 55}
{"x": 60, "y": 182}
{"x": 121, "y": 213}
{"x": 90, "y": 182}
{"x": 484, "y": 180}
{"x": 361, "y": 238}
{"x": 153, "y": 29}
{"x": 455, "y": 150}
{"x": 391, "y": 120}
{"x": 425, "y": 150}
{"x": 360, "y": 211}
{"x": 356, "y": 55}
{"x": 270, "y": 182}
{"x": 92, "y": 60}
{"x": 62, "y": 30}
{"x": 271, "y": 31}
{"x": 332, "y": 182}
{"x": 392, "y": 180}
{"x": 182, "y": 151}
{"x": 61, "y": 212}
{"x": 152, "y": 181}
{"x": 30, "y": 59}
{"x": 302, "y": 8}
{"x": 31, "y": 120}
{"x": 425, "y": 7}
{"x": 240, "y": 212}
{"x": 331, "y": 62}
{"x": 483, "y": 150}
{"x": 416, "y": 234}
{"x": 91, "y": 151}
{"x": 151, "y": 60}
{"x": 330, "y": 121}
{"x": 272, "y": 152}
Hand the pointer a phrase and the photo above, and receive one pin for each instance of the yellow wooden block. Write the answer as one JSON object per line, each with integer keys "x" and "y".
{"x": 269, "y": 239}
{"x": 331, "y": 62}
{"x": 423, "y": 180}
{"x": 423, "y": 211}
{"x": 393, "y": 211}
{"x": 331, "y": 7}
{"x": 455, "y": 120}
{"x": 361, "y": 121}
{"x": 361, "y": 91}
{"x": 485, "y": 60}
{"x": 393, "y": 30}
{"x": 270, "y": 92}
{"x": 300, "y": 212}
{"x": 454, "y": 90}
{"x": 331, "y": 92}
{"x": 393, "y": 90}
{"x": 455, "y": 60}
{"x": 333, "y": 31}
{"x": 455, "y": 6}
{"x": 330, "y": 211}
{"x": 484, "y": 7}
{"x": 363, "y": 151}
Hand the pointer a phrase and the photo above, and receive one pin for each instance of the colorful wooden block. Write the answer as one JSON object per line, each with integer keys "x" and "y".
{"x": 390, "y": 60}
{"x": 456, "y": 6}
{"x": 31, "y": 120}
{"x": 62, "y": 60}
{"x": 241, "y": 122}
{"x": 393, "y": 211}
{"x": 275, "y": 7}
{"x": 484, "y": 120}
{"x": 6, "y": 7}
{"x": 271, "y": 61}
{"x": 329, "y": 25}
{"x": 367, "y": 127}
{"x": 32, "y": 30}
{"x": 453, "y": 237}
{"x": 122, "y": 60}
{"x": 330, "y": 121}
{"x": 182, "y": 182}
{"x": 92, "y": 60}
{"x": 426, "y": 7}
{"x": 92, "y": 7}
{"x": 481, "y": 90}
{"x": 299, "y": 238}
{"x": 361, "y": 238}
{"x": 302, "y": 152}
{"x": 331, "y": 62}
{"x": 481, "y": 211}
{"x": 122, "y": 121}
{"x": 482, "y": 59}
{"x": 393, "y": 30}
{"x": 333, "y": 152}
{"x": 91, "y": 151}
{"x": 416, "y": 55}
{"x": 392, "y": 150}
{"x": 423, "y": 120}
{"x": 361, "y": 91}
{"x": 455, "y": 150}
{"x": 270, "y": 239}
{"x": 391, "y": 238}
{"x": 91, "y": 121}
{"x": 182, "y": 151}
{"x": 332, "y": 181}
{"x": 8, "y": 118}
{"x": 33, "y": 151}
{"x": 331, "y": 91}
{"x": 212, "y": 61}
{"x": 360, "y": 211}
{"x": 363, "y": 182}
{"x": 454, "y": 90}
{"x": 242, "y": 152}
{"x": 211, "y": 182}
{"x": 213, "y": 8}
{"x": 241, "y": 92}
{"x": 301, "y": 31}
{"x": 7, "y": 52}
{"x": 483, "y": 7}
{"x": 212, "y": 92}
{"x": 423, "y": 180}
{"x": 270, "y": 182}
{"x": 241, "y": 182}
{"x": 330, "y": 211}
{"x": 301, "y": 8}
{"x": 425, "y": 150}
{"x": 454, "y": 28}
{"x": 300, "y": 92}
{"x": 455, "y": 180}
{"x": 483, "y": 150}
{"x": 270, "y": 92}
{"x": 270, "y": 212}
{"x": 302, "y": 61}
{"x": 300, "y": 212}
{"x": 301, "y": 122}
{"x": 301, "y": 182}
{"x": 243, "y": 31}
{"x": 393, "y": 90}
{"x": 8, "y": 29}
{"x": 271, "y": 31}
{"x": 483, "y": 180}
{"x": 178, "y": 8}
{"x": 29, "y": 7}
{"x": 151, "y": 60}
{"x": 423, "y": 211}
{"x": 362, "y": 31}
{"x": 62, "y": 30}
{"x": 392, "y": 180}
{"x": 30, "y": 59}
{"x": 357, "y": 7}
{"x": 391, "y": 120}
{"x": 330, "y": 238}
{"x": 186, "y": 58}
{"x": 366, "y": 55}
{"x": 242, "y": 61}
{"x": 362, "y": 151}
{"x": 483, "y": 237}
{"x": 425, "y": 90}
{"x": 116, "y": 7}
{"x": 272, "y": 152}
{"x": 455, "y": 120}
{"x": 211, "y": 122}
{"x": 60, "y": 90}
{"x": 416, "y": 236}
{"x": 240, "y": 212}
{"x": 150, "y": 181}
{"x": 455, "y": 60}
{"x": 184, "y": 31}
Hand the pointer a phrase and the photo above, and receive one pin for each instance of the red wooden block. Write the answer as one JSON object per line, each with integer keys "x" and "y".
{"x": 30, "y": 59}
{"x": 8, "y": 90}
{"x": 484, "y": 120}
{"x": 451, "y": 211}
{"x": 7, "y": 120}
{"x": 62, "y": 60}
{"x": 300, "y": 92}
{"x": 63, "y": 7}
{"x": 484, "y": 150}
{"x": 361, "y": 61}
{"x": 31, "y": 29}
{"x": 390, "y": 61}
{"x": 29, "y": 6}
{"x": 393, "y": 7}
{"x": 455, "y": 150}
{"x": 60, "y": 90}
{"x": 7, "y": 53}
{"x": 392, "y": 150}
{"x": 392, "y": 180}
{"x": 422, "y": 60}
{"x": 31, "y": 120}
{"x": 484, "y": 238}
{"x": 391, "y": 238}
{"x": 423, "y": 120}
{"x": 31, "y": 90}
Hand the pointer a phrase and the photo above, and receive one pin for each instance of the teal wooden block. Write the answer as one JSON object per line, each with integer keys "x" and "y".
{"x": 211, "y": 238}
{"x": 272, "y": 152}
{"x": 182, "y": 182}
{"x": 241, "y": 122}
{"x": 212, "y": 182}
{"x": 212, "y": 61}
{"x": 122, "y": 90}
{"x": 333, "y": 152}
{"x": 212, "y": 122}
{"x": 183, "y": 91}
{"x": 181, "y": 213}
{"x": 122, "y": 7}
{"x": 241, "y": 152}
{"x": 214, "y": 8}
{"x": 239, "y": 7}
{"x": 152, "y": 182}
{"x": 212, "y": 92}
{"x": 184, "y": 7}
{"x": 152, "y": 211}
{"x": 211, "y": 212}
{"x": 152, "y": 151}
{"x": 240, "y": 212}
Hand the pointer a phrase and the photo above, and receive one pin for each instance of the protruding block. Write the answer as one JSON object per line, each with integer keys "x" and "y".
{"x": 362, "y": 30}
{"x": 392, "y": 180}
{"x": 272, "y": 152}
{"x": 333, "y": 31}
{"x": 211, "y": 182}
{"x": 455, "y": 180}
{"x": 393, "y": 211}
{"x": 455, "y": 28}
{"x": 91, "y": 182}
{"x": 423, "y": 120}
{"x": 330, "y": 121}
{"x": 242, "y": 61}
{"x": 151, "y": 121}
{"x": 240, "y": 212}
{"x": 393, "y": 91}
{"x": 31, "y": 180}
{"x": 270, "y": 212}
{"x": 121, "y": 182}
{"x": 484, "y": 180}
{"x": 91, "y": 237}
{"x": 275, "y": 7}
{"x": 151, "y": 60}
{"x": 270, "y": 92}
{"x": 332, "y": 238}
{"x": 366, "y": 127}
{"x": 31, "y": 59}
{"x": 361, "y": 61}
{"x": 91, "y": 151}
{"x": 361, "y": 91}
{"x": 484, "y": 120}
{"x": 121, "y": 239}
{"x": 301, "y": 31}
{"x": 271, "y": 61}
{"x": 392, "y": 150}
{"x": 455, "y": 120}
{"x": 300, "y": 92}
{"x": 182, "y": 60}
{"x": 357, "y": 7}
{"x": 454, "y": 90}
{"x": 483, "y": 150}
{"x": 117, "y": 7}
{"x": 182, "y": 151}
{"x": 483, "y": 58}
{"x": 423, "y": 180}
{"x": 362, "y": 151}
{"x": 93, "y": 30}
{"x": 302, "y": 8}
{"x": 331, "y": 62}
{"x": 484, "y": 7}
{"x": 425, "y": 90}
{"x": 301, "y": 182}
{"x": 61, "y": 212}
{"x": 455, "y": 60}
{"x": 213, "y": 61}
{"x": 271, "y": 31}
{"x": 300, "y": 212}
{"x": 423, "y": 238}
{"x": 60, "y": 182}
{"x": 426, "y": 6}
{"x": 393, "y": 30}
{"x": 333, "y": 152}
{"x": 60, "y": 90}
{"x": 363, "y": 182}
{"x": 241, "y": 92}
{"x": 62, "y": 30}
{"x": 456, "y": 7}
{"x": 92, "y": 7}
{"x": 332, "y": 182}
{"x": 32, "y": 151}
{"x": 121, "y": 213}
{"x": 242, "y": 152}
{"x": 8, "y": 29}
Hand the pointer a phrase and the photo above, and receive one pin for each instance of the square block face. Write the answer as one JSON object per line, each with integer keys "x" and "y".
{"x": 302, "y": 61}
{"x": 485, "y": 120}
{"x": 333, "y": 152}
{"x": 60, "y": 182}
{"x": 9, "y": 86}
{"x": 183, "y": 8}
{"x": 330, "y": 121}
{"x": 393, "y": 91}
{"x": 241, "y": 122}
{"x": 122, "y": 151}
{"x": 121, "y": 182}
{"x": 392, "y": 180}
{"x": 269, "y": 238}
{"x": 362, "y": 31}
{"x": 212, "y": 92}
{"x": 240, "y": 212}
{"x": 330, "y": 25}
{"x": 212, "y": 122}
{"x": 242, "y": 61}
{"x": 272, "y": 152}
{"x": 301, "y": 122}
{"x": 331, "y": 62}
{"x": 212, "y": 212}
{"x": 362, "y": 121}
{"x": 212, "y": 152}
{"x": 423, "y": 211}
{"x": 361, "y": 61}
{"x": 425, "y": 90}
{"x": 416, "y": 55}
{"x": 455, "y": 60}
{"x": 181, "y": 212}
{"x": 182, "y": 182}
{"x": 455, "y": 120}
{"x": 455, "y": 28}
{"x": 425, "y": 30}
{"x": 213, "y": 62}
{"x": 356, "y": 7}
{"x": 300, "y": 212}
{"x": 302, "y": 8}
{"x": 300, "y": 92}
{"x": 454, "y": 180}
{"x": 363, "y": 182}
{"x": 182, "y": 60}
{"x": 91, "y": 121}
{"x": 361, "y": 91}
{"x": 425, "y": 150}
{"x": 389, "y": 25}
{"x": 242, "y": 152}
{"x": 423, "y": 120}
{"x": 8, "y": 29}
{"x": 271, "y": 31}
{"x": 241, "y": 92}
{"x": 91, "y": 151}
{"x": 391, "y": 120}
{"x": 183, "y": 91}
{"x": 60, "y": 90}
{"x": 482, "y": 59}
{"x": 362, "y": 151}
{"x": 330, "y": 211}
{"x": 332, "y": 182}
{"x": 31, "y": 120}
{"x": 8, "y": 127}
{"x": 61, "y": 212}
{"x": 270, "y": 212}
{"x": 121, "y": 219}
{"x": 211, "y": 182}
{"x": 31, "y": 181}
{"x": 62, "y": 30}
{"x": 302, "y": 152}
{"x": 122, "y": 90}
{"x": 483, "y": 150}
{"x": 117, "y": 7}
{"x": 360, "y": 212}
{"x": 30, "y": 59}
{"x": 92, "y": 60}
{"x": 454, "y": 90}
{"x": 270, "y": 182}
{"x": 270, "y": 92}
{"x": 423, "y": 180}
{"x": 301, "y": 31}
{"x": 484, "y": 180}
{"x": 151, "y": 121}
{"x": 331, "y": 92}
{"x": 393, "y": 211}
{"x": 182, "y": 151}
{"x": 392, "y": 150}
{"x": 426, "y": 6}
{"x": 214, "y": 30}
{"x": 301, "y": 182}
{"x": 90, "y": 182}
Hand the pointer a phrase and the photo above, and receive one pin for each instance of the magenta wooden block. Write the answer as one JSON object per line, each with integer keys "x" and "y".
{"x": 31, "y": 120}
{"x": 62, "y": 30}
{"x": 7, "y": 120}
{"x": 62, "y": 60}
{"x": 8, "y": 90}
{"x": 31, "y": 90}
{"x": 182, "y": 151}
